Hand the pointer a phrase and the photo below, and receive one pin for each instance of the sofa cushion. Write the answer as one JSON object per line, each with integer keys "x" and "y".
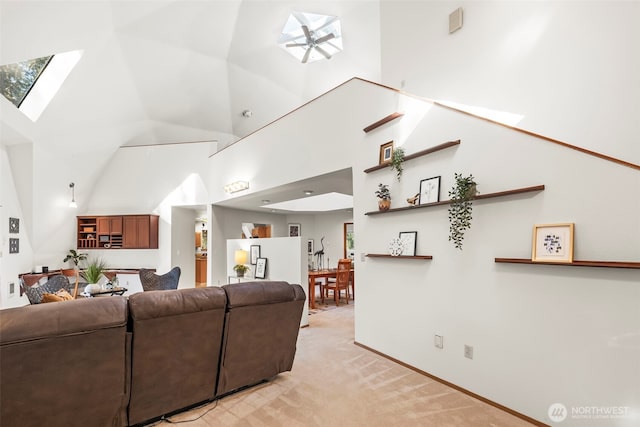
{"x": 177, "y": 336}
{"x": 259, "y": 293}
{"x": 64, "y": 364}
{"x": 261, "y": 330}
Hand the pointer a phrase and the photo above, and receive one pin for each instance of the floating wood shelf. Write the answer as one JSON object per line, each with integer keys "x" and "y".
{"x": 383, "y": 121}
{"x": 478, "y": 197}
{"x": 416, "y": 155}
{"x": 575, "y": 263}
{"x": 399, "y": 256}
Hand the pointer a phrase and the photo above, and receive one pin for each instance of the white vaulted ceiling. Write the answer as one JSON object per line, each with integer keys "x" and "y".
{"x": 155, "y": 72}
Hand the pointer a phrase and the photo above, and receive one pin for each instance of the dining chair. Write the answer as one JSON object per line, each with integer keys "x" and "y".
{"x": 321, "y": 285}
{"x": 342, "y": 281}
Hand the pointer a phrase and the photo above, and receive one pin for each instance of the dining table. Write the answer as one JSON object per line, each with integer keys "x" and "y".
{"x": 325, "y": 274}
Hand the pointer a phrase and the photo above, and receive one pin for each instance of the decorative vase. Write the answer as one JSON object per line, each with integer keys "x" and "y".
{"x": 240, "y": 273}
{"x": 92, "y": 288}
{"x": 384, "y": 204}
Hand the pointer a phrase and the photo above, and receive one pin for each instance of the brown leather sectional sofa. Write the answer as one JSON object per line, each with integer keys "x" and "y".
{"x": 113, "y": 361}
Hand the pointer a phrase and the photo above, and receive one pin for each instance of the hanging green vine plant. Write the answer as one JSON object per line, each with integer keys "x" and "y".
{"x": 397, "y": 159}
{"x": 461, "y": 208}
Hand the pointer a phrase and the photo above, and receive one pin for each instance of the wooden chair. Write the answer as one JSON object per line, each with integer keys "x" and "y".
{"x": 342, "y": 281}
{"x": 75, "y": 274}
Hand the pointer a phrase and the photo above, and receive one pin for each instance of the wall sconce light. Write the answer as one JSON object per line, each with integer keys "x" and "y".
{"x": 72, "y": 203}
{"x": 236, "y": 186}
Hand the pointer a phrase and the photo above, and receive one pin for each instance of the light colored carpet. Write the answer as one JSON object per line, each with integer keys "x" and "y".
{"x": 337, "y": 383}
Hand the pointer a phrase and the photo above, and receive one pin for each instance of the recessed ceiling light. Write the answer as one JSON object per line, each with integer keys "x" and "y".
{"x": 266, "y": 200}
{"x": 308, "y": 192}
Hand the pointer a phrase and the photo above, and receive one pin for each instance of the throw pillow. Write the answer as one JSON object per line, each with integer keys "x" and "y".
{"x": 61, "y": 295}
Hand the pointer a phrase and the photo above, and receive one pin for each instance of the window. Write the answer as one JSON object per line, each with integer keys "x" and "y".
{"x": 31, "y": 85}
{"x": 16, "y": 80}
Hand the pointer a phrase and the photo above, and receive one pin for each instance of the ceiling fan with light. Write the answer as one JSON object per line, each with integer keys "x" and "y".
{"x": 310, "y": 37}
{"x": 312, "y": 43}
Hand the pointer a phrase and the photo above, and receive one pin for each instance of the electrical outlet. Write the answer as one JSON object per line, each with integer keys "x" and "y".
{"x": 468, "y": 351}
{"x": 438, "y": 341}
{"x": 12, "y": 288}
{"x": 363, "y": 257}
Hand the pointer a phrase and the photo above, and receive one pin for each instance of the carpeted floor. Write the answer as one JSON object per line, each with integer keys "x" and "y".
{"x": 337, "y": 383}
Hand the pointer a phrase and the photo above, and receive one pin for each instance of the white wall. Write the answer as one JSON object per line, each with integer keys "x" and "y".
{"x": 11, "y": 265}
{"x": 183, "y": 251}
{"x": 541, "y": 334}
{"x": 569, "y": 67}
{"x": 285, "y": 261}
{"x": 173, "y": 176}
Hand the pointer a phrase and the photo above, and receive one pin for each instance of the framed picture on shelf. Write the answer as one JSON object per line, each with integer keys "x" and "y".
{"x": 310, "y": 247}
{"x": 261, "y": 268}
{"x": 409, "y": 241}
{"x": 294, "y": 230}
{"x": 429, "y": 190}
{"x": 553, "y": 243}
{"x": 386, "y": 152}
{"x": 254, "y": 252}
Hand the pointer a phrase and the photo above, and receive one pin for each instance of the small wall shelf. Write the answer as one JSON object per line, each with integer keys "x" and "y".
{"x": 478, "y": 197}
{"x": 575, "y": 263}
{"x": 383, "y": 121}
{"x": 416, "y": 155}
{"x": 399, "y": 256}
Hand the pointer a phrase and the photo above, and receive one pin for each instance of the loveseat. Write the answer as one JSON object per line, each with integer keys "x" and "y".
{"x": 113, "y": 361}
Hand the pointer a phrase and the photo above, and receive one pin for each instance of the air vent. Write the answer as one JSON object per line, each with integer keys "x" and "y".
{"x": 455, "y": 20}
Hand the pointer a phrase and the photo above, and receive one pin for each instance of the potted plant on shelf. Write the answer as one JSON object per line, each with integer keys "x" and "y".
{"x": 384, "y": 196}
{"x": 397, "y": 159}
{"x": 461, "y": 208}
{"x": 75, "y": 257}
{"x": 92, "y": 274}
{"x": 240, "y": 269}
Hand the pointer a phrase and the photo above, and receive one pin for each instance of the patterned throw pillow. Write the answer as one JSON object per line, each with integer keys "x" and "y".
{"x": 51, "y": 286}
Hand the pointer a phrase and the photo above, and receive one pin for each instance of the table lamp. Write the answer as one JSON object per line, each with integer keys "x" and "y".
{"x": 240, "y": 258}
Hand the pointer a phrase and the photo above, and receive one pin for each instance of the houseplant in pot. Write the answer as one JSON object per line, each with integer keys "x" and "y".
{"x": 397, "y": 159}
{"x": 240, "y": 269}
{"x": 75, "y": 257}
{"x": 92, "y": 274}
{"x": 384, "y": 197}
{"x": 460, "y": 209}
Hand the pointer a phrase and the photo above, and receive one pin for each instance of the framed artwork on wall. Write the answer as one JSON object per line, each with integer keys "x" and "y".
{"x": 14, "y": 246}
{"x": 294, "y": 230}
{"x": 386, "y": 152}
{"x": 409, "y": 241}
{"x": 310, "y": 247}
{"x": 261, "y": 268}
{"x": 553, "y": 243}
{"x": 254, "y": 254}
{"x": 14, "y": 225}
{"x": 429, "y": 190}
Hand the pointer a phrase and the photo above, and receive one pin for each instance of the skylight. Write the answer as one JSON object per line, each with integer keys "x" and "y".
{"x": 31, "y": 85}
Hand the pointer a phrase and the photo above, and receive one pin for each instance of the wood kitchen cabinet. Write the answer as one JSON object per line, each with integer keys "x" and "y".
{"x": 118, "y": 232}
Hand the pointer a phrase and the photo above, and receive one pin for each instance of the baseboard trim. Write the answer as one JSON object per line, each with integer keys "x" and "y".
{"x": 456, "y": 387}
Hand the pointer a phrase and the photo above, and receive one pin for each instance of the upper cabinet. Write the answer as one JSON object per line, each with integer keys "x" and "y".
{"x": 118, "y": 231}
